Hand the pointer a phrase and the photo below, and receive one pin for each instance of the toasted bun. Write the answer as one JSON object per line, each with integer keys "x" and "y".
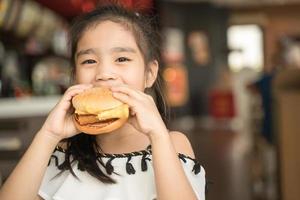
{"x": 97, "y": 111}
{"x": 94, "y": 101}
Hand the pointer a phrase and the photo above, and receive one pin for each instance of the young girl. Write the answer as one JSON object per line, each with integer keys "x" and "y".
{"x": 116, "y": 48}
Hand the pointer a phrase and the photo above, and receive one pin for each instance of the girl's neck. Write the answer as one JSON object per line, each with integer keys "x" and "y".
{"x": 124, "y": 140}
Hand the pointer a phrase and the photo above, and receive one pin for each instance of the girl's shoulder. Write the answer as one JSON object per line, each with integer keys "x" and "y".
{"x": 181, "y": 143}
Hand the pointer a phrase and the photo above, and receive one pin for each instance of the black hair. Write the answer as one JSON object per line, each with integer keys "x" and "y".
{"x": 83, "y": 148}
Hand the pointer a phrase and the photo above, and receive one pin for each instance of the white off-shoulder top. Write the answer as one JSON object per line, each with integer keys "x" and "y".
{"x": 132, "y": 171}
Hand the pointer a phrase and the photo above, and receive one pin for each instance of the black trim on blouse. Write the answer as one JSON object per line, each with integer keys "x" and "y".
{"x": 129, "y": 167}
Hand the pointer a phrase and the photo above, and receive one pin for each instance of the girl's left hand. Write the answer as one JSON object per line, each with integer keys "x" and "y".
{"x": 145, "y": 116}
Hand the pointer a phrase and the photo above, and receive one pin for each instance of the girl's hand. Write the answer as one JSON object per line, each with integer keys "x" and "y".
{"x": 145, "y": 116}
{"x": 59, "y": 123}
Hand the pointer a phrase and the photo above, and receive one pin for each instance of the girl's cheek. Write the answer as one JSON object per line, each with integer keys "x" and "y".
{"x": 83, "y": 76}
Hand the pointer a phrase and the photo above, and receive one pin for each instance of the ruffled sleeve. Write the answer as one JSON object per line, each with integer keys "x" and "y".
{"x": 195, "y": 174}
{"x": 53, "y": 179}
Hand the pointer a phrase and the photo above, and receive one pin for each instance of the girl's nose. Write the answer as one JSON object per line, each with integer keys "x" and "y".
{"x": 104, "y": 76}
{"x": 105, "y": 73}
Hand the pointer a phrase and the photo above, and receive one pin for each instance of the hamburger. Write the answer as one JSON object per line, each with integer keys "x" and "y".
{"x": 97, "y": 111}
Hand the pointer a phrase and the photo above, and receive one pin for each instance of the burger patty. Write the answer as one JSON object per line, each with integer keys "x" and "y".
{"x": 92, "y": 119}
{"x": 101, "y": 124}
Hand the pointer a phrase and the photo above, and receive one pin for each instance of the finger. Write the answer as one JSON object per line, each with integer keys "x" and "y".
{"x": 74, "y": 90}
{"x": 133, "y": 122}
{"x": 71, "y": 110}
{"x": 69, "y": 93}
{"x": 132, "y": 112}
{"x": 78, "y": 86}
{"x": 65, "y": 101}
{"x": 129, "y": 91}
{"x": 125, "y": 99}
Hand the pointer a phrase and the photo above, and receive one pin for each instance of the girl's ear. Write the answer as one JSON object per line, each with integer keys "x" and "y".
{"x": 151, "y": 73}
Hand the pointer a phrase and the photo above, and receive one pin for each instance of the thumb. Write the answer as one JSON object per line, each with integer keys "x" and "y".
{"x": 132, "y": 120}
{"x": 71, "y": 110}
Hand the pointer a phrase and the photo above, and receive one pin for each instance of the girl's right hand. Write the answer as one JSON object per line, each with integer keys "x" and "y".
{"x": 59, "y": 123}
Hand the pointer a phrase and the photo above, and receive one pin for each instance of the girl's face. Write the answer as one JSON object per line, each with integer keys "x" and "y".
{"x": 108, "y": 55}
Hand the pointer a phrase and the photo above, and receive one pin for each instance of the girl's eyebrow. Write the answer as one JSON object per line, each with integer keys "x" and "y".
{"x": 114, "y": 49}
{"x": 123, "y": 49}
{"x": 85, "y": 51}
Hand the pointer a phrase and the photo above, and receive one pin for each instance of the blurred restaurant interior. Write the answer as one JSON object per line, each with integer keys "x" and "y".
{"x": 232, "y": 80}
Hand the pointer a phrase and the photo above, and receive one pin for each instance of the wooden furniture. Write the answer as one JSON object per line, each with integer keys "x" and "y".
{"x": 287, "y": 104}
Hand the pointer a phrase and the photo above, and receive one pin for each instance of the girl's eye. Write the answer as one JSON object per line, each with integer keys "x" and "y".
{"x": 122, "y": 59}
{"x": 89, "y": 61}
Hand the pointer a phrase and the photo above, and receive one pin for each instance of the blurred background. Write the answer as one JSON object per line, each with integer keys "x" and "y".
{"x": 232, "y": 73}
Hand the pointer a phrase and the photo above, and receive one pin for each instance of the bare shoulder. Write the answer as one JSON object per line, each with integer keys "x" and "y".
{"x": 182, "y": 143}
{"x": 39, "y": 198}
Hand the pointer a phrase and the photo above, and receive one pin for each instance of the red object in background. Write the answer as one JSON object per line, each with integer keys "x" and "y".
{"x": 87, "y": 6}
{"x": 72, "y": 8}
{"x": 221, "y": 104}
{"x": 176, "y": 80}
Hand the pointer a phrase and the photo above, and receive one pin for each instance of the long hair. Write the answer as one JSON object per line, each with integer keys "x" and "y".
{"x": 83, "y": 148}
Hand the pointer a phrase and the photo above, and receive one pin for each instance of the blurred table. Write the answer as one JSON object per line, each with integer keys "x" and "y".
{"x": 26, "y": 107}
{"x": 20, "y": 119}
{"x": 223, "y": 148}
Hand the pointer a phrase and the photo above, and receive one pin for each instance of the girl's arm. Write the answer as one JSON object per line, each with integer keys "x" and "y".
{"x": 171, "y": 181}
{"x": 26, "y": 178}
